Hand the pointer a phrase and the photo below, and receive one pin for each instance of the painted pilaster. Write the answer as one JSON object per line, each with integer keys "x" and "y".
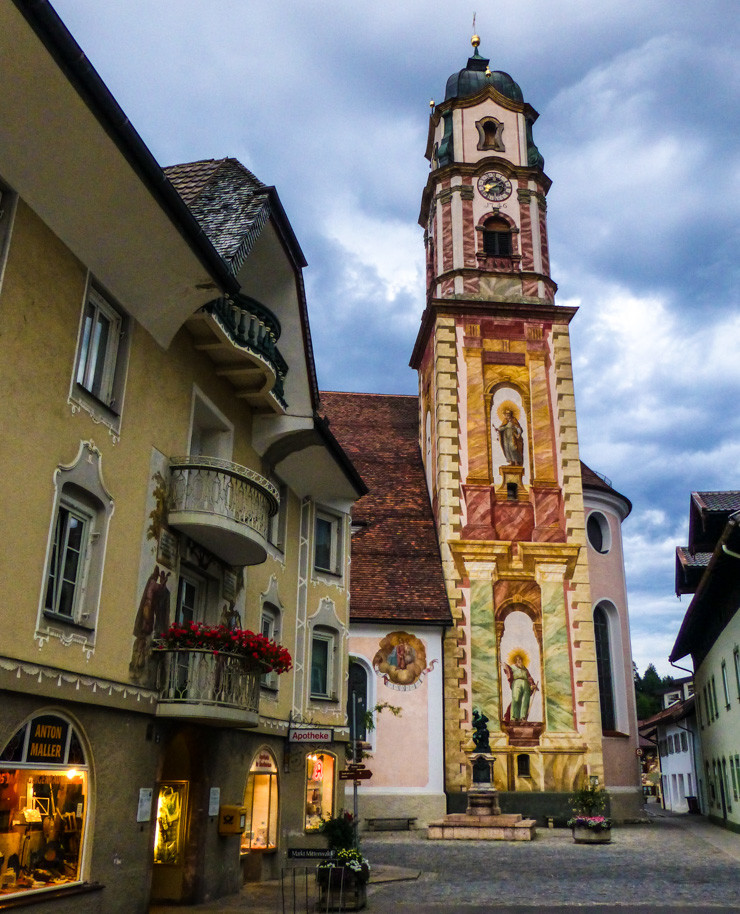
{"x": 484, "y": 661}
{"x": 555, "y": 648}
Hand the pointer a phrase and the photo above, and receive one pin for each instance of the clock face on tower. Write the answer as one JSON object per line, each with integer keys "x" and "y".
{"x": 494, "y": 186}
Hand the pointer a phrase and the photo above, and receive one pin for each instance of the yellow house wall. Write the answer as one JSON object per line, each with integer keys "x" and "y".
{"x": 41, "y": 302}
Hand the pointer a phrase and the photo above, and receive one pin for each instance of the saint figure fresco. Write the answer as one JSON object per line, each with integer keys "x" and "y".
{"x": 522, "y": 686}
{"x": 511, "y": 435}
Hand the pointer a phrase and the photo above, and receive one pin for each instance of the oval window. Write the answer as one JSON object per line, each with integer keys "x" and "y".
{"x": 597, "y": 530}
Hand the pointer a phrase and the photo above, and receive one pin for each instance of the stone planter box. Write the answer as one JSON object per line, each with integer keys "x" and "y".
{"x": 342, "y": 888}
{"x": 582, "y": 834}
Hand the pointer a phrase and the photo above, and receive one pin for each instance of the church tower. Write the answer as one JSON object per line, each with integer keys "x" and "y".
{"x": 500, "y": 447}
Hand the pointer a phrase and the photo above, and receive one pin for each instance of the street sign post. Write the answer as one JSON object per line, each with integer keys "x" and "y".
{"x": 353, "y": 775}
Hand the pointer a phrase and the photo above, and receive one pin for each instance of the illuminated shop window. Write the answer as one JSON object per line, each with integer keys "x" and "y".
{"x": 319, "y": 789}
{"x": 261, "y": 802}
{"x": 169, "y": 832}
{"x": 43, "y": 806}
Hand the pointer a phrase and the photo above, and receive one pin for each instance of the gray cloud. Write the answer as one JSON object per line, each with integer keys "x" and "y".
{"x": 638, "y": 105}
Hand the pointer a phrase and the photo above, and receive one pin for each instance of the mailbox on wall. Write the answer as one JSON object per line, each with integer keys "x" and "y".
{"x": 232, "y": 820}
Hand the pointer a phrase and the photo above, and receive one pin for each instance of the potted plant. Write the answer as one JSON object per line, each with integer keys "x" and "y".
{"x": 342, "y": 879}
{"x": 588, "y": 823}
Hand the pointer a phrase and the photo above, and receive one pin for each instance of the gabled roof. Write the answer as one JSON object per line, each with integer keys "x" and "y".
{"x": 716, "y": 598}
{"x": 229, "y": 202}
{"x": 708, "y": 513}
{"x": 677, "y": 711}
{"x": 396, "y": 571}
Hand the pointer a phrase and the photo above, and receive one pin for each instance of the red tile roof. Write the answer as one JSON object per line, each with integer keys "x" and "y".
{"x": 396, "y": 572}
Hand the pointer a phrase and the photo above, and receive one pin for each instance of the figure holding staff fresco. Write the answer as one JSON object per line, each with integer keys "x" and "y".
{"x": 522, "y": 686}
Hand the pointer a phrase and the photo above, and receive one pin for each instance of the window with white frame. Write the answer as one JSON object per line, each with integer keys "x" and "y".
{"x": 725, "y": 685}
{"x": 8, "y": 203}
{"x": 70, "y": 550}
{"x": 101, "y": 353}
{"x": 713, "y": 692}
{"x": 323, "y": 647}
{"x": 76, "y": 547}
{"x": 270, "y": 628}
{"x": 278, "y": 522}
{"x": 191, "y": 595}
{"x": 328, "y": 542}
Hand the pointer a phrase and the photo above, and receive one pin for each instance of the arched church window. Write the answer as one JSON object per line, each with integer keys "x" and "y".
{"x": 497, "y": 238}
{"x": 604, "y": 668}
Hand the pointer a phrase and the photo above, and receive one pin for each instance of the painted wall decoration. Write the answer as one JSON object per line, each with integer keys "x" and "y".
{"x": 401, "y": 661}
{"x": 152, "y": 617}
{"x": 521, "y": 676}
{"x": 509, "y": 433}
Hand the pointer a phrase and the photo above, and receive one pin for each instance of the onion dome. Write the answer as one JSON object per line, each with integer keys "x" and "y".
{"x": 477, "y": 76}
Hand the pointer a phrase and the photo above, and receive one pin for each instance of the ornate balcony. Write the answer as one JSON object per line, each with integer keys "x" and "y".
{"x": 240, "y": 336}
{"x": 223, "y": 506}
{"x": 204, "y": 687}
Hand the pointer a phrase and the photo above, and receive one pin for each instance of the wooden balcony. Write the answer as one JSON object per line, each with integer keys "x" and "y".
{"x": 240, "y": 337}
{"x": 223, "y": 506}
{"x": 198, "y": 685}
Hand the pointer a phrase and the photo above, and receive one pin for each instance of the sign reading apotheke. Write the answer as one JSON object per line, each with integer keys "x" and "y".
{"x": 315, "y": 735}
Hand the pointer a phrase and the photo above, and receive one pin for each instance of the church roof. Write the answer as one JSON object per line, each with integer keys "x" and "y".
{"x": 596, "y": 482}
{"x": 396, "y": 572}
{"x": 472, "y": 78}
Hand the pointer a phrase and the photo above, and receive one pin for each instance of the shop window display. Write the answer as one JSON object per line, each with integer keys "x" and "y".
{"x": 43, "y": 806}
{"x": 261, "y": 803}
{"x": 169, "y": 832}
{"x": 319, "y": 789}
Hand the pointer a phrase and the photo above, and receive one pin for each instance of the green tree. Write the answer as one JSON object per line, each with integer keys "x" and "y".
{"x": 648, "y": 691}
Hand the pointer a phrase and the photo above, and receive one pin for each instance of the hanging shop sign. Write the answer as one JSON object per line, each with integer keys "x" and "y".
{"x": 315, "y": 735}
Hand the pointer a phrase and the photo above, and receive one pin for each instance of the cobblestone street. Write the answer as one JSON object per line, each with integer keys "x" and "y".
{"x": 674, "y": 863}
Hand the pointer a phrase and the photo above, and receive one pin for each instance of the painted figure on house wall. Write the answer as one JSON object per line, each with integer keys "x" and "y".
{"x": 152, "y": 617}
{"x": 522, "y": 687}
{"x": 511, "y": 435}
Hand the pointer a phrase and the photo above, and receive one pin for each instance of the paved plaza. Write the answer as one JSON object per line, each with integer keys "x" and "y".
{"x": 674, "y": 863}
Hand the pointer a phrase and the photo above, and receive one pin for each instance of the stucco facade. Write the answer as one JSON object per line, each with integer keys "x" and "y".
{"x": 168, "y": 481}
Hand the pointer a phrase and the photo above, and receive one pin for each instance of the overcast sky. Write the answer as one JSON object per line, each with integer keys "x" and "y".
{"x": 638, "y": 104}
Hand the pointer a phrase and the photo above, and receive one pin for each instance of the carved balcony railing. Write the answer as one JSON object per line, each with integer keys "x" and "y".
{"x": 199, "y": 685}
{"x": 240, "y": 335}
{"x": 223, "y": 506}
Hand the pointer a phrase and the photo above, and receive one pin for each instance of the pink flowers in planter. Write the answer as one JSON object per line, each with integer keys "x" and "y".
{"x": 589, "y": 822}
{"x": 222, "y": 639}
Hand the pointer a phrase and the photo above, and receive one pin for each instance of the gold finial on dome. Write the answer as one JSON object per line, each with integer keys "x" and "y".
{"x": 475, "y": 40}
{"x": 431, "y": 103}
{"x": 488, "y": 71}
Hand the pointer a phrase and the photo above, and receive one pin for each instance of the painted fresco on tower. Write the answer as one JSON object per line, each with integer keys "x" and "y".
{"x": 521, "y": 677}
{"x": 509, "y": 446}
{"x": 401, "y": 660}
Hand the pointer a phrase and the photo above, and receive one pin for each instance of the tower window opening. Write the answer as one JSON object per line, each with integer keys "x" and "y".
{"x": 522, "y": 766}
{"x": 512, "y": 490}
{"x": 497, "y": 239}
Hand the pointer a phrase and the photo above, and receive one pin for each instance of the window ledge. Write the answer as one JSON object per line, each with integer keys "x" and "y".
{"x": 615, "y": 734}
{"x": 325, "y": 698}
{"x": 39, "y": 896}
{"x": 67, "y": 622}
